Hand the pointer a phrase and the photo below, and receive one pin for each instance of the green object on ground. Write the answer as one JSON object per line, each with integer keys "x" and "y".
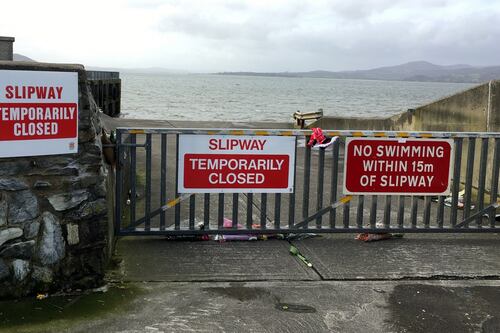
{"x": 294, "y": 251}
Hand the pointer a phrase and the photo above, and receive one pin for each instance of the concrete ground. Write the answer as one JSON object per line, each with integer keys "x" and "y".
{"x": 421, "y": 283}
{"x": 418, "y": 283}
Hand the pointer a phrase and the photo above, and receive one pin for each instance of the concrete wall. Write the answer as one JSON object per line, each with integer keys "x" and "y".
{"x": 6, "y": 48}
{"x": 473, "y": 110}
{"x": 53, "y": 209}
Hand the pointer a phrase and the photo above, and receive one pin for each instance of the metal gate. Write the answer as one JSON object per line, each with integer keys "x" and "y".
{"x": 147, "y": 201}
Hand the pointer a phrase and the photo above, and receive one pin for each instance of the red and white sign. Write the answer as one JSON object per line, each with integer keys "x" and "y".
{"x": 236, "y": 164}
{"x": 38, "y": 113}
{"x": 398, "y": 166}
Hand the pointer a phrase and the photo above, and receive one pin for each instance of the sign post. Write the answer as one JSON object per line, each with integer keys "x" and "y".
{"x": 38, "y": 113}
{"x": 236, "y": 164}
{"x": 398, "y": 166}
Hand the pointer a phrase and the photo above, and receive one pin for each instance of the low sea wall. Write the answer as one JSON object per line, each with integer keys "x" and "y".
{"x": 54, "y": 227}
{"x": 474, "y": 110}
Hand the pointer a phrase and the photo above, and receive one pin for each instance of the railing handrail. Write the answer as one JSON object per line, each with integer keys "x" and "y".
{"x": 296, "y": 132}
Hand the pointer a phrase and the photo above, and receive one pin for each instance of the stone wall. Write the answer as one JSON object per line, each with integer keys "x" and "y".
{"x": 53, "y": 209}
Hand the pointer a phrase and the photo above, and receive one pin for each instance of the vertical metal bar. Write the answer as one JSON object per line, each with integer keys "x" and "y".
{"x": 373, "y": 212}
{"x": 335, "y": 172}
{"x": 235, "y": 211}
{"x": 440, "y": 212}
{"x": 494, "y": 180}
{"x": 414, "y": 210}
{"x": 220, "y": 215}
{"x": 307, "y": 176}
{"x": 427, "y": 211}
{"x": 482, "y": 180}
{"x": 206, "y": 211}
{"x": 277, "y": 210}
{"x": 401, "y": 211}
{"x": 291, "y": 204}
{"x": 119, "y": 183}
{"x": 346, "y": 217}
{"x": 360, "y": 211}
{"x": 319, "y": 192}
{"x": 456, "y": 181}
{"x": 263, "y": 210}
{"x": 249, "y": 210}
{"x": 387, "y": 211}
{"x": 133, "y": 166}
{"x": 163, "y": 179}
{"x": 178, "y": 206}
{"x": 147, "y": 209}
{"x": 468, "y": 177}
{"x": 192, "y": 209}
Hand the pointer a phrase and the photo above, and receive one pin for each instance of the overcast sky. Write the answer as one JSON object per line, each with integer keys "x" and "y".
{"x": 254, "y": 35}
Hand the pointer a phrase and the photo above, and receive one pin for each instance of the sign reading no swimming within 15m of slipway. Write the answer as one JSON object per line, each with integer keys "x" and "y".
{"x": 236, "y": 164}
{"x": 398, "y": 166}
{"x": 38, "y": 113}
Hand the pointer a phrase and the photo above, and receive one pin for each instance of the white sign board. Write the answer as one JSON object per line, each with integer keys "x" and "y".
{"x": 38, "y": 113}
{"x": 236, "y": 164}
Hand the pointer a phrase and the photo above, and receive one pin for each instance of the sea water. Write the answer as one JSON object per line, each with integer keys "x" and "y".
{"x": 251, "y": 98}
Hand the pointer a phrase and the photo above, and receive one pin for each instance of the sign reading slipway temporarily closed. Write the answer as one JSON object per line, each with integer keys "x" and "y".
{"x": 38, "y": 113}
{"x": 398, "y": 166}
{"x": 236, "y": 164}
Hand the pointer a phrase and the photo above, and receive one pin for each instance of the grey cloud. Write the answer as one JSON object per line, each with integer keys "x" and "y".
{"x": 256, "y": 25}
{"x": 340, "y": 35}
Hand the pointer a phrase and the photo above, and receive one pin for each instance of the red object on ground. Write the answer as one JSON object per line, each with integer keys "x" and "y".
{"x": 372, "y": 237}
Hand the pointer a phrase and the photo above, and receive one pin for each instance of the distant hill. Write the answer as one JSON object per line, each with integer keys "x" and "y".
{"x": 20, "y": 57}
{"x": 411, "y": 71}
{"x": 148, "y": 70}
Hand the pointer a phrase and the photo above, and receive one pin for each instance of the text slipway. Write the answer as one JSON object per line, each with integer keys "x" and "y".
{"x": 402, "y": 180}
{"x": 234, "y": 144}
{"x": 29, "y": 92}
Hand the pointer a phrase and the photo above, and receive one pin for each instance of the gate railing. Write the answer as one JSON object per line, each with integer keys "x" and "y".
{"x": 148, "y": 202}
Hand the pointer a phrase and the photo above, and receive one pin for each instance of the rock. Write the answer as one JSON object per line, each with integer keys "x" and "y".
{"x": 67, "y": 201}
{"x": 23, "y": 206}
{"x": 72, "y": 230}
{"x": 8, "y": 234}
{"x": 12, "y": 168}
{"x": 31, "y": 230}
{"x": 55, "y": 171}
{"x": 51, "y": 247}
{"x": 23, "y": 250}
{"x": 21, "y": 269}
{"x": 4, "y": 270}
{"x": 42, "y": 274}
{"x": 89, "y": 209}
{"x": 41, "y": 184}
{"x": 101, "y": 190}
{"x": 3, "y": 212}
{"x": 12, "y": 184}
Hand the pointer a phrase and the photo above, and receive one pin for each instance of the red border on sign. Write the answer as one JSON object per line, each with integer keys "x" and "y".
{"x": 36, "y": 129}
{"x": 228, "y": 177}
